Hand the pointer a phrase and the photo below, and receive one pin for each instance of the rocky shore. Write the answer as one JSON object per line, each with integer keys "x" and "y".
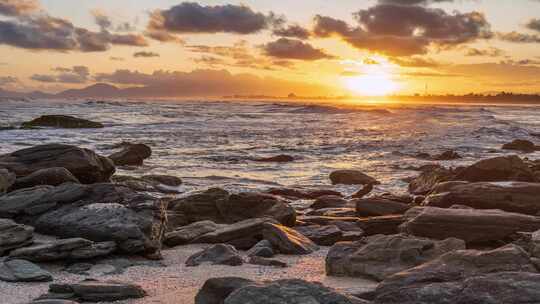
{"x": 73, "y": 231}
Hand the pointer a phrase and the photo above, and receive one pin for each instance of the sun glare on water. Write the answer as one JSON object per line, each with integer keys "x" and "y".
{"x": 373, "y": 79}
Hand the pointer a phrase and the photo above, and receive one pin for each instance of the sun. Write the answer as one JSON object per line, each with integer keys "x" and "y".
{"x": 370, "y": 77}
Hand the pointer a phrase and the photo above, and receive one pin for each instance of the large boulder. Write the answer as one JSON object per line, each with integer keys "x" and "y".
{"x": 216, "y": 290}
{"x": 287, "y": 240}
{"x": 282, "y": 158}
{"x": 322, "y": 235}
{"x": 94, "y": 291}
{"x": 201, "y": 206}
{"x": 505, "y": 168}
{"x": 330, "y": 201}
{"x": 70, "y": 249}
{"x": 517, "y": 197}
{"x": 219, "y": 254}
{"x": 351, "y": 177}
{"x": 444, "y": 279}
{"x": 87, "y": 166}
{"x": 150, "y": 183}
{"x": 470, "y": 225}
{"x": 425, "y": 182}
{"x": 48, "y": 176}
{"x": 15, "y": 270}
{"x": 6, "y": 180}
{"x": 385, "y": 224}
{"x": 521, "y": 145}
{"x": 131, "y": 155}
{"x": 186, "y": 234}
{"x": 380, "y": 256}
{"x": 378, "y": 206}
{"x": 61, "y": 121}
{"x": 13, "y": 235}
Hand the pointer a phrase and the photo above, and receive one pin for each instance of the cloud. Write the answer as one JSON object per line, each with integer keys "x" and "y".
{"x": 144, "y": 54}
{"x": 7, "y": 80}
{"x": 285, "y": 48}
{"x": 533, "y": 24}
{"x": 415, "y": 62}
{"x": 489, "y": 52}
{"x": 116, "y": 58}
{"x": 191, "y": 17}
{"x": 101, "y": 19}
{"x": 18, "y": 7}
{"x": 412, "y": 2}
{"x": 399, "y": 30}
{"x": 76, "y": 74}
{"x": 292, "y": 31}
{"x": 516, "y": 37}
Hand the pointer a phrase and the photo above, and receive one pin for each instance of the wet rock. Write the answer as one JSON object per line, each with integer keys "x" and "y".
{"x": 94, "y": 291}
{"x": 351, "y": 177}
{"x": 380, "y": 256}
{"x": 329, "y": 201}
{"x": 378, "y": 206}
{"x": 470, "y": 225}
{"x": 6, "y": 180}
{"x": 53, "y": 301}
{"x": 521, "y": 145}
{"x": 261, "y": 249}
{"x": 186, "y": 234}
{"x": 49, "y": 176}
{"x": 292, "y": 193}
{"x": 447, "y": 155}
{"x": 13, "y": 235}
{"x": 219, "y": 254}
{"x": 198, "y": 207}
{"x": 282, "y": 158}
{"x": 256, "y": 205}
{"x": 363, "y": 192}
{"x": 333, "y": 212}
{"x": 329, "y": 220}
{"x": 243, "y": 235}
{"x": 255, "y": 260}
{"x": 22, "y": 271}
{"x": 322, "y": 235}
{"x": 386, "y": 224}
{"x": 535, "y": 244}
{"x": 425, "y": 182}
{"x": 150, "y": 183}
{"x": 446, "y": 278}
{"x": 517, "y": 197}
{"x": 70, "y": 249}
{"x": 61, "y": 121}
{"x": 84, "y": 164}
{"x": 287, "y": 240}
{"x": 131, "y": 155}
{"x": 507, "y": 168}
{"x": 216, "y": 290}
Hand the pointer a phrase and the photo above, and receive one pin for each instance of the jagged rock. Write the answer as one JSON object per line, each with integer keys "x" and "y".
{"x": 13, "y": 235}
{"x": 261, "y": 249}
{"x": 256, "y": 260}
{"x": 71, "y": 249}
{"x": 282, "y": 158}
{"x": 6, "y": 180}
{"x": 61, "y": 121}
{"x": 386, "y": 224}
{"x": 256, "y": 205}
{"x": 351, "y": 177}
{"x": 287, "y": 240}
{"x": 198, "y": 207}
{"x": 380, "y": 256}
{"x": 216, "y": 290}
{"x": 447, "y": 155}
{"x": 329, "y": 201}
{"x": 470, "y": 225}
{"x": 22, "y": 271}
{"x": 131, "y": 155}
{"x": 322, "y": 235}
{"x": 521, "y": 145}
{"x": 150, "y": 183}
{"x": 506, "y": 168}
{"x": 242, "y": 235}
{"x": 219, "y": 254}
{"x": 186, "y": 234}
{"x": 94, "y": 291}
{"x": 378, "y": 206}
{"x": 425, "y": 182}
{"x": 84, "y": 164}
{"x": 48, "y": 176}
{"x": 446, "y": 278}
{"x": 517, "y": 197}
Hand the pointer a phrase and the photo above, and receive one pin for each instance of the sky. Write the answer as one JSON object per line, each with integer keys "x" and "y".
{"x": 268, "y": 47}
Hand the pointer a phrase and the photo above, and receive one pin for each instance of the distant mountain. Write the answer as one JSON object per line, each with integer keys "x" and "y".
{"x": 96, "y": 90}
{"x": 33, "y": 95}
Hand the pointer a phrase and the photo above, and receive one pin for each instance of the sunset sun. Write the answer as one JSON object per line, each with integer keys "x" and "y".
{"x": 371, "y": 85}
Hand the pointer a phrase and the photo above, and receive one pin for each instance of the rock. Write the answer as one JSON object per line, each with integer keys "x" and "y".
{"x": 329, "y": 220}
{"x": 333, "y": 212}
{"x": 517, "y": 197}
{"x": 261, "y": 249}
{"x": 379, "y": 256}
{"x": 387, "y": 224}
{"x": 48, "y": 176}
{"x": 535, "y": 244}
{"x": 13, "y": 235}
{"x": 22, "y": 271}
{"x": 363, "y": 192}
{"x": 351, "y": 177}
{"x": 470, "y": 225}
{"x": 94, "y": 291}
{"x": 322, "y": 235}
{"x": 216, "y": 290}
{"x": 521, "y": 145}
{"x": 242, "y": 235}
{"x": 255, "y": 260}
{"x": 219, "y": 254}
{"x": 150, "y": 183}
{"x": 6, "y": 180}
{"x": 447, "y": 155}
{"x": 292, "y": 193}
{"x": 443, "y": 280}
{"x": 79, "y": 268}
{"x": 288, "y": 292}
{"x": 53, "y": 301}
{"x": 282, "y": 158}
{"x": 84, "y": 164}
{"x": 256, "y": 205}
{"x": 186, "y": 234}
{"x": 378, "y": 206}
{"x": 329, "y": 201}
{"x": 425, "y": 182}
{"x": 61, "y": 121}
{"x": 287, "y": 240}
{"x": 507, "y": 168}
{"x": 198, "y": 207}
{"x": 131, "y": 155}
{"x": 71, "y": 249}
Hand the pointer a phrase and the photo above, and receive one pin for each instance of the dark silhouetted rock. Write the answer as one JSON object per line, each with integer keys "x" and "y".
{"x": 219, "y": 254}
{"x": 287, "y": 240}
{"x": 378, "y": 206}
{"x": 380, "y": 256}
{"x": 282, "y": 158}
{"x": 94, "y": 291}
{"x": 256, "y": 205}
{"x": 322, "y": 235}
{"x": 64, "y": 249}
{"x": 386, "y": 224}
{"x": 506, "y": 168}
{"x": 363, "y": 192}
{"x": 49, "y": 176}
{"x": 22, "y": 271}
{"x": 292, "y": 193}
{"x": 216, "y": 290}
{"x": 470, "y": 225}
{"x": 447, "y": 155}
{"x": 13, "y": 235}
{"x": 186, "y": 234}
{"x": 521, "y": 145}
{"x": 329, "y": 201}
{"x": 351, "y": 177}
{"x": 261, "y": 249}
{"x": 131, "y": 155}
{"x": 242, "y": 235}
{"x": 84, "y": 164}
{"x": 198, "y": 207}
{"x": 517, "y": 197}
{"x": 6, "y": 180}
{"x": 61, "y": 121}
{"x": 150, "y": 183}
{"x": 425, "y": 182}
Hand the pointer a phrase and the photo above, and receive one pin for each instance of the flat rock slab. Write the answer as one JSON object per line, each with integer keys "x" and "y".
{"x": 219, "y": 254}
{"x": 287, "y": 240}
{"x": 70, "y": 249}
{"x": 94, "y": 291}
{"x": 13, "y": 235}
{"x": 22, "y": 271}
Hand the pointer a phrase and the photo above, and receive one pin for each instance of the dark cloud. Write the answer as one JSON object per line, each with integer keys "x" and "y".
{"x": 416, "y": 62}
{"x": 191, "y": 17}
{"x": 144, "y": 54}
{"x": 76, "y": 74}
{"x": 18, "y": 7}
{"x": 521, "y": 62}
{"x": 489, "y": 52}
{"x": 209, "y": 61}
{"x": 285, "y": 48}
{"x": 399, "y": 30}
{"x": 102, "y": 20}
{"x": 162, "y": 36}
{"x": 516, "y": 37}
{"x": 7, "y": 80}
{"x": 292, "y": 31}
{"x": 534, "y": 24}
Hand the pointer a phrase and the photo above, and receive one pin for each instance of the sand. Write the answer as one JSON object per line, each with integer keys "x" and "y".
{"x": 177, "y": 284}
